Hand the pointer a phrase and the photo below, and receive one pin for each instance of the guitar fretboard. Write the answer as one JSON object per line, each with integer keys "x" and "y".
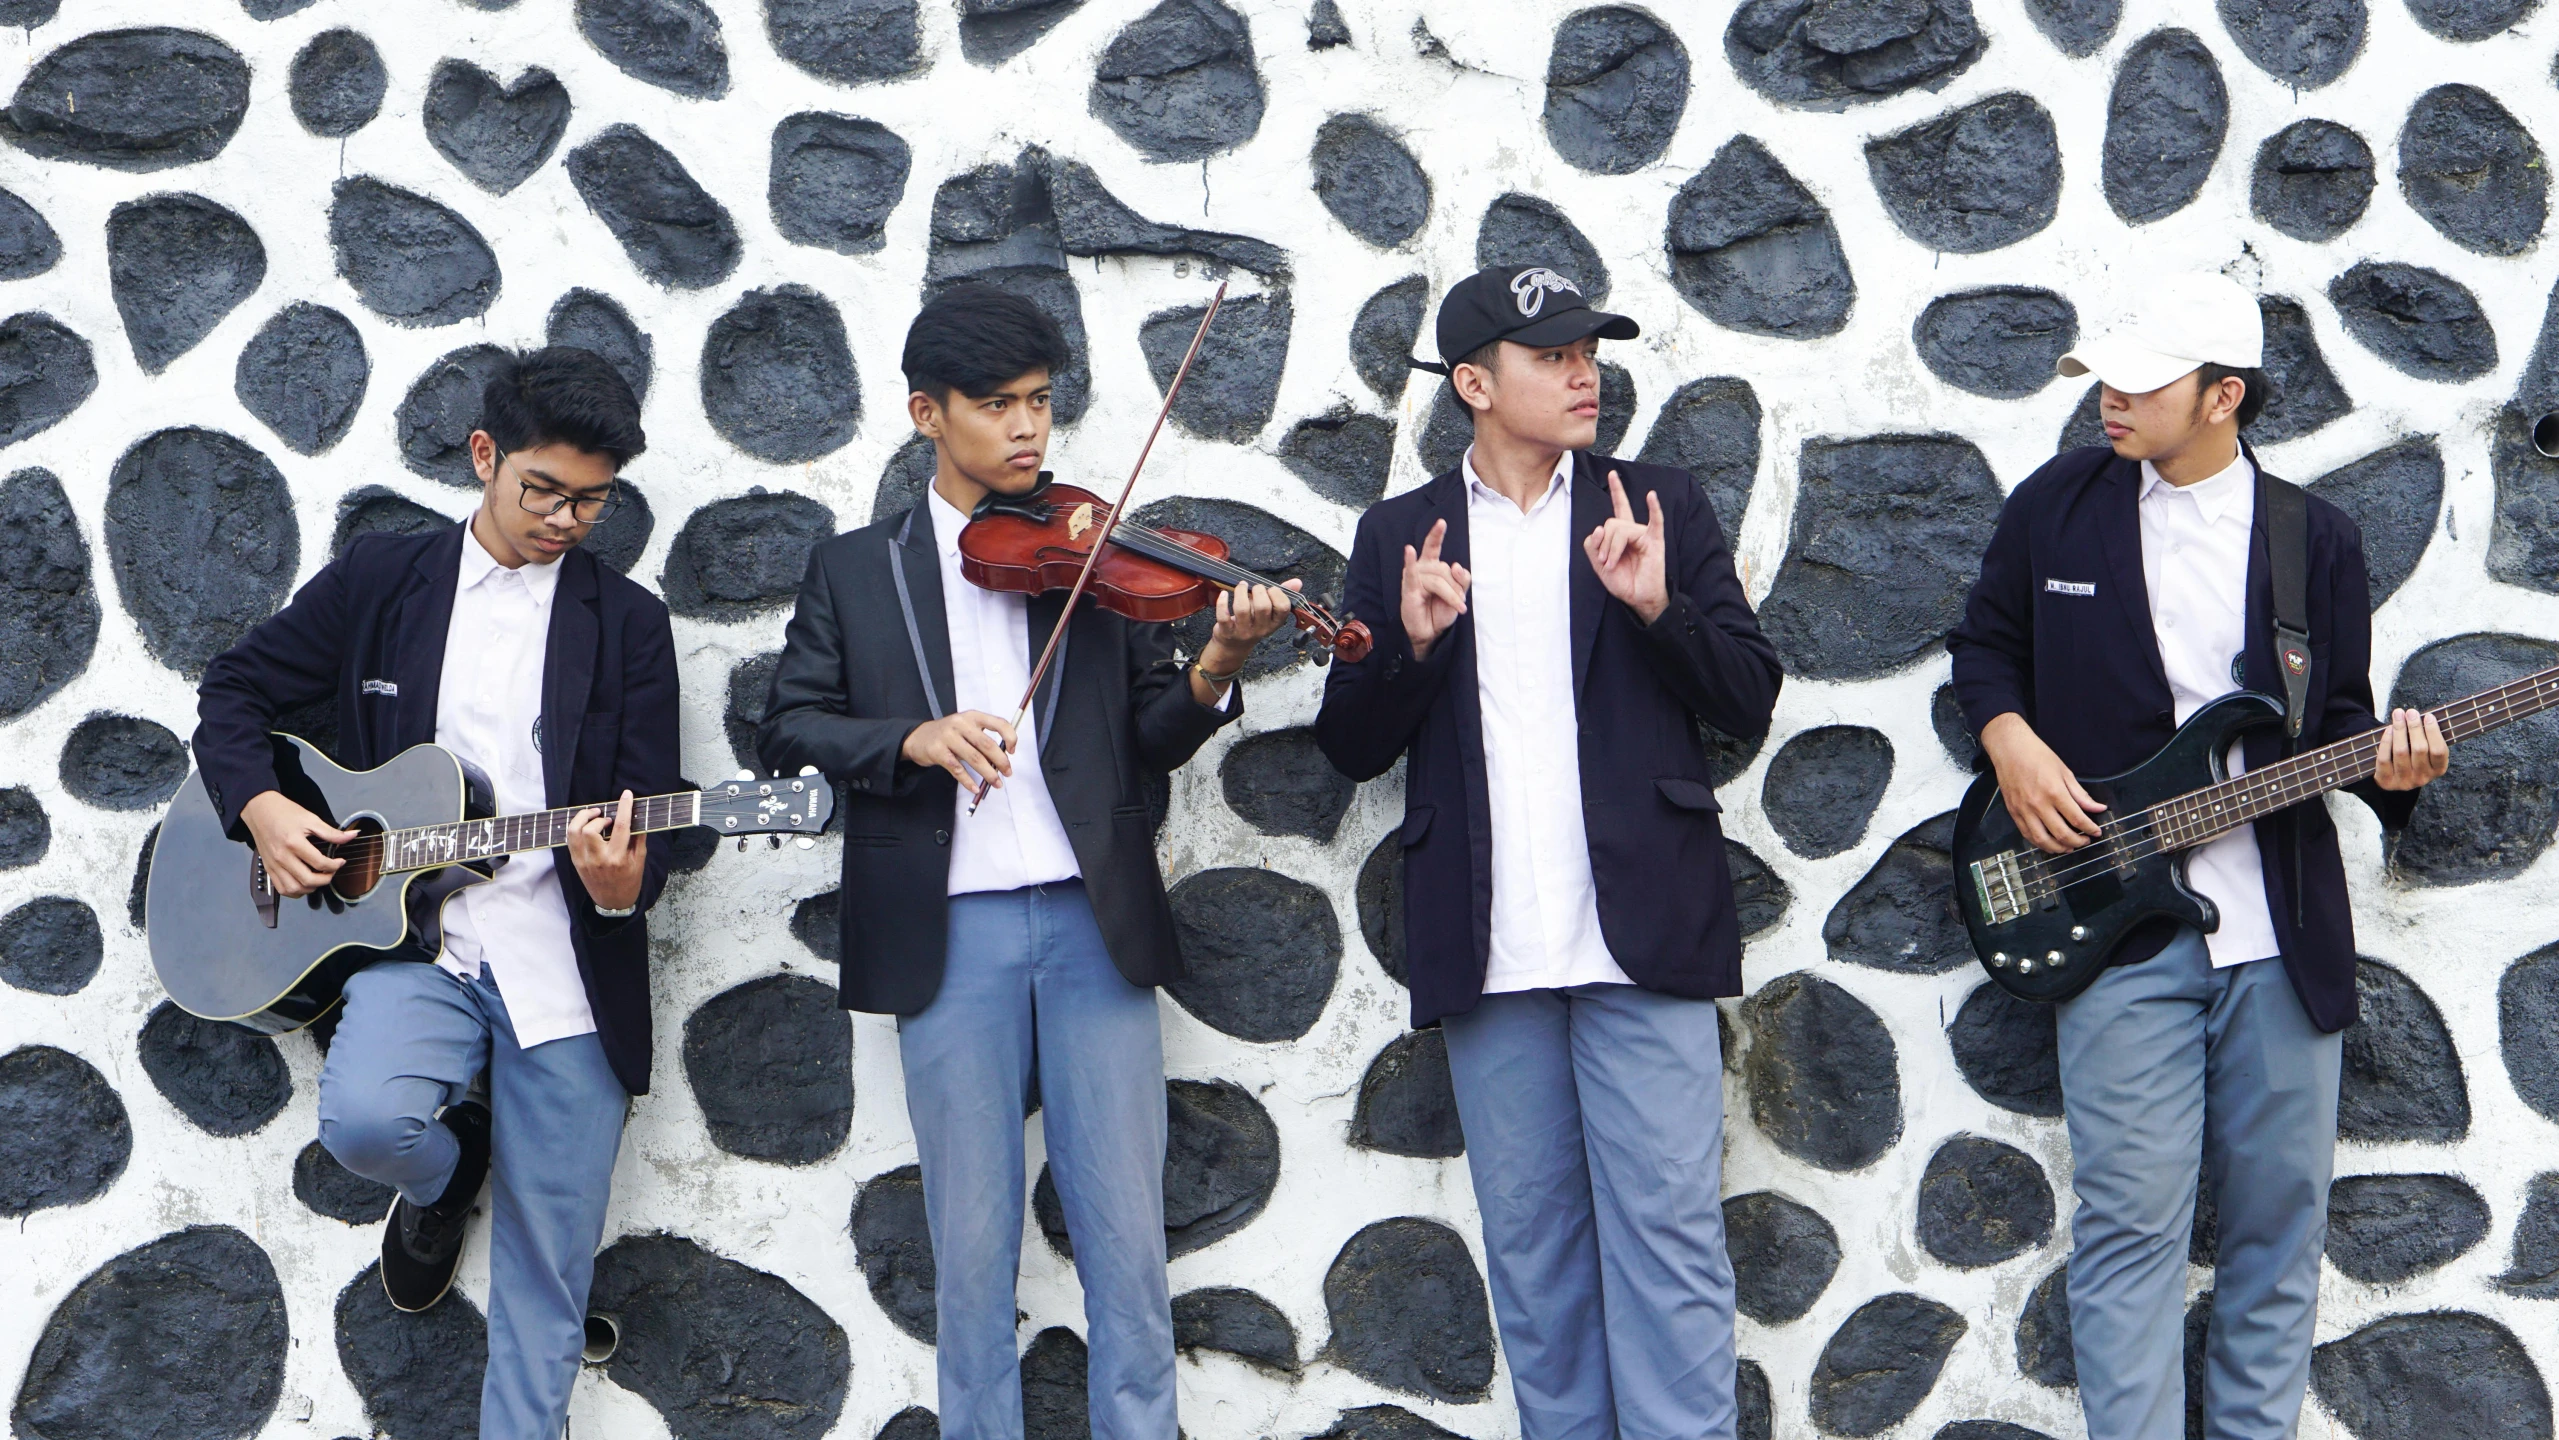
{"x": 424, "y": 847}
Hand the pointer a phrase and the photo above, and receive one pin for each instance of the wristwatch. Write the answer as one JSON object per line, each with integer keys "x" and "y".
{"x": 625, "y": 913}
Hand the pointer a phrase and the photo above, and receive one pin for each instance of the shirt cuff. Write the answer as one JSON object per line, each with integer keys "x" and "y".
{"x": 625, "y": 913}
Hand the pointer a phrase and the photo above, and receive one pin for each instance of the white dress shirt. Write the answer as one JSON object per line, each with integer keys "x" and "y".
{"x": 1545, "y": 904}
{"x": 2194, "y": 558}
{"x": 486, "y": 710}
{"x": 1015, "y": 838}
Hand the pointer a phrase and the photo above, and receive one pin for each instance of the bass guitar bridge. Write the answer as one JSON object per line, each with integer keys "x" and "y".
{"x": 2001, "y": 888}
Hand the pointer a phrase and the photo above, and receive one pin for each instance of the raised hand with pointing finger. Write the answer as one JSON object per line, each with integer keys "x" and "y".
{"x": 1434, "y": 591}
{"x": 1628, "y": 556}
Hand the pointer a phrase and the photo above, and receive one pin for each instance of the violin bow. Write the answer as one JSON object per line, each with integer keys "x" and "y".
{"x": 1110, "y": 523}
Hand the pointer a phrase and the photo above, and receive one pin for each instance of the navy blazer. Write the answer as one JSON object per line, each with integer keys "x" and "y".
{"x": 378, "y": 613}
{"x": 1648, "y": 794}
{"x": 2084, "y": 670}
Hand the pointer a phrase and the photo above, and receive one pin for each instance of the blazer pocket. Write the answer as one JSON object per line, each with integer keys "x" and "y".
{"x": 1689, "y": 794}
{"x": 1128, "y": 812}
{"x": 1417, "y": 823}
{"x": 872, "y": 842}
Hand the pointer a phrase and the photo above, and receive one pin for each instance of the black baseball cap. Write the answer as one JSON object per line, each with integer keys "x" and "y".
{"x": 1529, "y": 304}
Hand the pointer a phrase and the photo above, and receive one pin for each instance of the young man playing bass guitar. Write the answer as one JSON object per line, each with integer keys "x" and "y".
{"x": 2124, "y": 589}
{"x": 501, "y": 641}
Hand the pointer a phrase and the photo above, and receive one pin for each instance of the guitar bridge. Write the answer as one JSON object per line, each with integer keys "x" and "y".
{"x": 2001, "y": 888}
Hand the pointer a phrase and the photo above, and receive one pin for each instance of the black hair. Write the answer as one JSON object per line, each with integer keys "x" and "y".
{"x": 1483, "y": 357}
{"x": 974, "y": 338}
{"x": 2252, "y": 402}
{"x": 562, "y": 395}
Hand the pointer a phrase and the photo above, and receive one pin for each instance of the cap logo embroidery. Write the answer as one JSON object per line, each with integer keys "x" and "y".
{"x": 1529, "y": 288}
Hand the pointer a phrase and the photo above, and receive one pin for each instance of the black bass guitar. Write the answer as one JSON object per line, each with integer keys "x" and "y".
{"x": 227, "y": 947}
{"x": 2044, "y": 925}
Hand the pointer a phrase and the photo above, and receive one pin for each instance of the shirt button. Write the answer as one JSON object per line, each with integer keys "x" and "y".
{"x": 941, "y": 837}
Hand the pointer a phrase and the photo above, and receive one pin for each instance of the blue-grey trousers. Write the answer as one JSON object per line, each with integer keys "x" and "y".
{"x": 2165, "y": 1064}
{"x": 1594, "y": 1123}
{"x": 1029, "y": 991}
{"x": 412, "y": 1040}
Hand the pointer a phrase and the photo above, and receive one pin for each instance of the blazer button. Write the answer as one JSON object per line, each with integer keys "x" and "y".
{"x": 941, "y": 837}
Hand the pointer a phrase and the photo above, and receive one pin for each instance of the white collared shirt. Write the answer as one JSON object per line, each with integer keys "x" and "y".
{"x": 487, "y": 708}
{"x": 1545, "y": 903}
{"x": 1015, "y": 838}
{"x": 2194, "y": 559}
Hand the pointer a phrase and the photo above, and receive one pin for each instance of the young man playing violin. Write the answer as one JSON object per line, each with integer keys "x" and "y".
{"x": 501, "y": 641}
{"x": 2127, "y": 586}
{"x": 1018, "y": 938}
{"x": 1543, "y": 657}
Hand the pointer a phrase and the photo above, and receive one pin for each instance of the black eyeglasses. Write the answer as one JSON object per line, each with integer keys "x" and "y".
{"x": 543, "y": 500}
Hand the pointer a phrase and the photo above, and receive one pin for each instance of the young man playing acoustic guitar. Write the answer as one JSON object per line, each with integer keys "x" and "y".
{"x": 1018, "y": 941}
{"x": 501, "y": 641}
{"x": 2127, "y": 586}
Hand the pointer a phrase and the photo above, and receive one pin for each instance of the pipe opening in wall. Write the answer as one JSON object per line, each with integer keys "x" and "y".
{"x": 603, "y": 1337}
{"x": 2545, "y": 434}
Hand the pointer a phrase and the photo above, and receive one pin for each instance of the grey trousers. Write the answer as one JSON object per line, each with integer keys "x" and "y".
{"x": 1595, "y": 1134}
{"x": 2165, "y": 1064}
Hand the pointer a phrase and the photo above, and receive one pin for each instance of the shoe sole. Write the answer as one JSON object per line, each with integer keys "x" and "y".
{"x": 387, "y": 1217}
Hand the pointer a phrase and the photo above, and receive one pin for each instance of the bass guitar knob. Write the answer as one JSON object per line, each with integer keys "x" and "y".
{"x": 2025, "y": 964}
{"x": 2053, "y": 959}
{"x": 1998, "y": 959}
{"x": 2079, "y": 933}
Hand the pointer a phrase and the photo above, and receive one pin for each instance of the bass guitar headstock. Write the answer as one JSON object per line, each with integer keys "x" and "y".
{"x": 801, "y": 805}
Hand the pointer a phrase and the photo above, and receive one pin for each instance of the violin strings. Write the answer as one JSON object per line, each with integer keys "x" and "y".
{"x": 1211, "y": 567}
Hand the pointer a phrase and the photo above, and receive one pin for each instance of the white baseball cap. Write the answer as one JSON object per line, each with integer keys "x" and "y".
{"x": 2171, "y": 330}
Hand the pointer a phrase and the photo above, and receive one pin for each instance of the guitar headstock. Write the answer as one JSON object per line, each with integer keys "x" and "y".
{"x": 802, "y": 805}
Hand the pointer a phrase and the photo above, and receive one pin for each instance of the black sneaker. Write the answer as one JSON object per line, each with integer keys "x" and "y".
{"x": 422, "y": 1244}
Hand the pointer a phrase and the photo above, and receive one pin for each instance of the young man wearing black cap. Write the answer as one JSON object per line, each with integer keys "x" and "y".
{"x": 2127, "y": 586}
{"x": 1543, "y": 657}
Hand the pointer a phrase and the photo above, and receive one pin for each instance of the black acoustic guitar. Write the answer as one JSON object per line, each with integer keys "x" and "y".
{"x": 2044, "y": 925}
{"x": 229, "y": 948}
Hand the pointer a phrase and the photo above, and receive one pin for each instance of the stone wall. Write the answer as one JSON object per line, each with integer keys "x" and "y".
{"x": 253, "y": 257}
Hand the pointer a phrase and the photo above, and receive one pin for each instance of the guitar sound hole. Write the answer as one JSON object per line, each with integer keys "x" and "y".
{"x": 364, "y": 856}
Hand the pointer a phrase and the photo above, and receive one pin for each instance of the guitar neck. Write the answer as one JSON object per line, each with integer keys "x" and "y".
{"x": 2199, "y": 815}
{"x": 425, "y": 847}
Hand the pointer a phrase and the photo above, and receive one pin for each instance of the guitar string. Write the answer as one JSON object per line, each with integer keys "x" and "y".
{"x": 653, "y": 814}
{"x": 1208, "y": 566}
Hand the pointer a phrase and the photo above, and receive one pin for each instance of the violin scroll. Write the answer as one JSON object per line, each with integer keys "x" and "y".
{"x": 1351, "y": 641}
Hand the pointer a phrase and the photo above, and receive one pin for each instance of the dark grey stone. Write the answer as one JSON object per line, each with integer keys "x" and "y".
{"x": 1524, "y": 230}
{"x": 200, "y": 532}
{"x": 591, "y": 320}
{"x": 126, "y": 1352}
{"x": 2203, "y": 1237}
{"x": 1616, "y": 84}
{"x": 2421, "y": 321}
{"x": 1281, "y": 784}
{"x": 1973, "y": 179}
{"x": 1986, "y": 1430}
{"x": 1784, "y": 1255}
{"x": 1235, "y": 382}
{"x": 750, "y": 680}
{"x": 904, "y": 479}
{"x": 336, "y": 83}
{"x": 673, "y": 44}
{"x": 419, "y": 1375}
{"x": 2008, "y": 1050}
{"x": 1055, "y": 1402}
{"x": 2302, "y": 43}
{"x": 742, "y": 556}
{"x": 411, "y": 260}
{"x": 2527, "y": 1019}
{"x": 1092, "y": 221}
{"x": 226, "y": 1080}
{"x": 1753, "y": 1418}
{"x": 138, "y": 893}
{"x": 1407, "y": 1104}
{"x": 2198, "y": 1336}
{"x": 1752, "y": 249}
{"x": 815, "y": 924}
{"x": 2000, "y": 342}
{"x": 777, "y": 376}
{"x": 50, "y": 945}
{"x": 1265, "y": 544}
{"x": 303, "y": 375}
{"x": 2471, "y": 169}
{"x": 895, "y": 1248}
{"x": 1221, "y": 1162}
{"x": 2043, "y": 1334}
{"x": 275, "y": 9}
{"x": 672, "y": 229}
{"x": 1946, "y": 717}
{"x": 2403, "y": 1077}
{"x": 1237, "y": 1322}
{"x": 1408, "y": 1311}
{"x": 2302, "y": 393}
{"x": 2312, "y": 180}
{"x": 723, "y": 1351}
{"x": 64, "y": 1134}
{"x": 1385, "y": 1422}
{"x": 912, "y": 1423}
{"x": 25, "y": 833}
{"x": 2523, "y": 545}
{"x": 851, "y": 42}
{"x": 2083, "y": 427}
{"x": 2464, "y": 20}
{"x": 2533, "y": 1267}
{"x": 1325, "y": 27}
{"x": 1616, "y": 406}
{"x": 994, "y": 31}
{"x": 2494, "y": 813}
{"x": 1821, "y": 1069}
{"x": 2394, "y": 496}
{"x": 692, "y": 847}
{"x": 1447, "y": 434}
{"x": 177, "y": 264}
{"x": 497, "y": 135}
{"x": 1982, "y": 1202}
{"x": 1824, "y": 785}
{"x": 48, "y": 609}
{"x": 1886, "y": 534}
{"x": 2383, "y": 1229}
{"x": 1710, "y": 428}
{"x": 1831, "y": 54}
{"x": 1881, "y": 1362}
{"x": 1261, "y": 949}
{"x": 1381, "y": 911}
{"x": 45, "y": 372}
{"x": 1370, "y": 182}
{"x": 331, "y": 1189}
{"x": 1760, "y": 897}
{"x": 28, "y": 244}
{"x": 27, "y": 14}
{"x": 2164, "y": 125}
{"x": 619, "y": 538}
{"x": 1383, "y": 333}
{"x": 771, "y": 1064}
{"x": 120, "y": 762}
{"x": 2443, "y": 1372}
{"x": 141, "y": 100}
{"x": 2076, "y": 27}
{"x": 834, "y": 181}
{"x": 1178, "y": 82}
{"x": 1342, "y": 455}
{"x": 441, "y": 410}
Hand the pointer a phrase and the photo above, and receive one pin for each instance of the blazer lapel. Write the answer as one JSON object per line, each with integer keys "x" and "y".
{"x": 568, "y": 671}
{"x": 1589, "y": 597}
{"x": 1448, "y": 502}
{"x": 2121, "y": 484}
{"x": 417, "y": 635}
{"x": 920, "y": 556}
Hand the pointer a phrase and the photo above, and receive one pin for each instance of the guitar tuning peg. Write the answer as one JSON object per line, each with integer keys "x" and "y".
{"x": 772, "y": 842}
{"x": 805, "y": 843}
{"x": 741, "y": 844}
{"x": 808, "y": 769}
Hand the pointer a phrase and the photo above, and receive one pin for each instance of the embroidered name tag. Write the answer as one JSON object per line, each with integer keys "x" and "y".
{"x": 2070, "y": 587}
{"x": 380, "y": 687}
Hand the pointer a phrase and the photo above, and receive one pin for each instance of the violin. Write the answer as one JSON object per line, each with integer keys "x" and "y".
{"x": 1043, "y": 540}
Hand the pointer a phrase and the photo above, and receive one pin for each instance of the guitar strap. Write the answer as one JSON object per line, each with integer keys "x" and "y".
{"x": 2287, "y": 511}
{"x": 915, "y": 637}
